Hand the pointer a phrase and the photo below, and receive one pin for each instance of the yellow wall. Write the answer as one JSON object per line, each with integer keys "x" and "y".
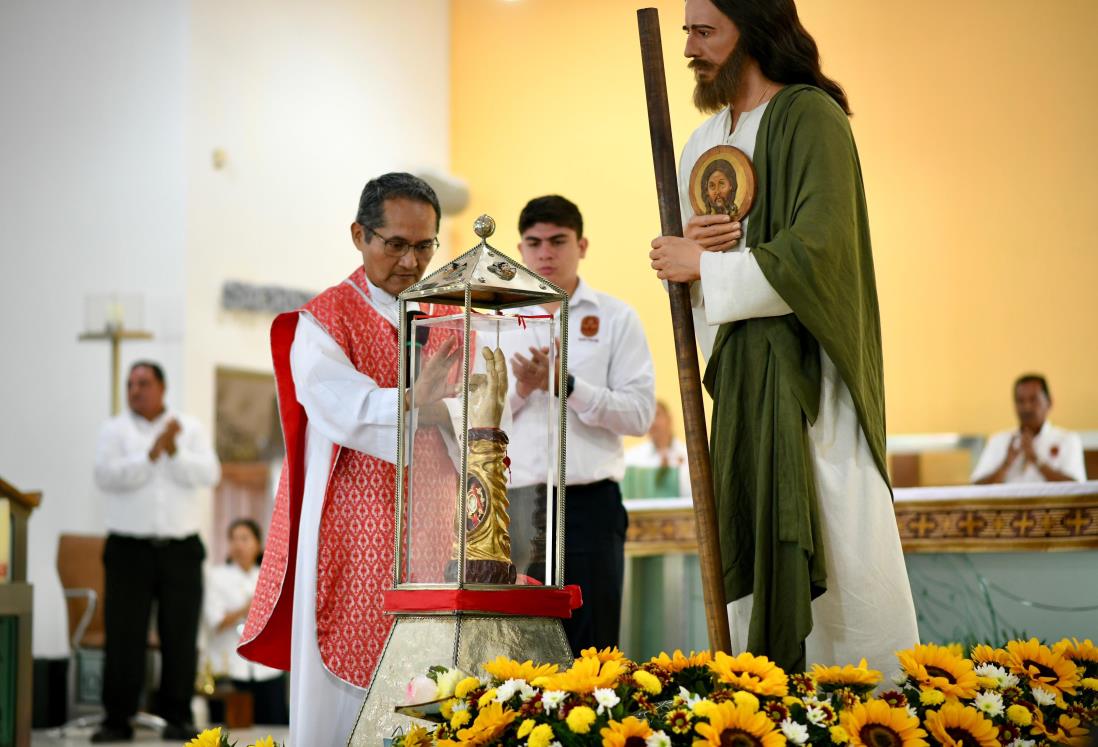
{"x": 975, "y": 123}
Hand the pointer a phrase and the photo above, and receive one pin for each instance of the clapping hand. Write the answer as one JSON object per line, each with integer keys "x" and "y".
{"x": 165, "y": 442}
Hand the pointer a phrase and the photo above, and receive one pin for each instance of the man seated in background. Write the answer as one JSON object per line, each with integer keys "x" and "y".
{"x": 1037, "y": 451}
{"x": 658, "y": 467}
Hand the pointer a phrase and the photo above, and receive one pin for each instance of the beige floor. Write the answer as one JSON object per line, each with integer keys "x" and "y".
{"x": 243, "y": 737}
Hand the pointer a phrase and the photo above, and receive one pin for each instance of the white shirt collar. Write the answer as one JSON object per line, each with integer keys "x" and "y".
{"x": 380, "y": 297}
{"x": 584, "y": 293}
{"x": 141, "y": 422}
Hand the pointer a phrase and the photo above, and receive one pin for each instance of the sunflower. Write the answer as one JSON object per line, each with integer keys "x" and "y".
{"x": 208, "y": 738}
{"x": 630, "y": 732}
{"x": 957, "y": 725}
{"x": 1067, "y": 730}
{"x": 606, "y": 654}
{"x": 859, "y": 677}
{"x": 755, "y": 674}
{"x": 877, "y": 724}
{"x": 735, "y": 726}
{"x": 678, "y": 662}
{"x": 489, "y": 725}
{"x": 1042, "y": 667}
{"x": 504, "y": 669}
{"x": 984, "y": 654}
{"x": 936, "y": 667}
{"x": 586, "y": 675}
{"x": 1083, "y": 653}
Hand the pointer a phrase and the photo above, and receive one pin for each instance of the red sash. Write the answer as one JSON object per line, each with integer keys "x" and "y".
{"x": 356, "y": 540}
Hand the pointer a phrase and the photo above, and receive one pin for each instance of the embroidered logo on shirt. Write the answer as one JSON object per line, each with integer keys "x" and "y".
{"x": 589, "y": 326}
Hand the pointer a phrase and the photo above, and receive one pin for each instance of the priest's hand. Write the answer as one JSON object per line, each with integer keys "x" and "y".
{"x": 676, "y": 259}
{"x": 715, "y": 233}
{"x": 433, "y": 384}
{"x": 488, "y": 391}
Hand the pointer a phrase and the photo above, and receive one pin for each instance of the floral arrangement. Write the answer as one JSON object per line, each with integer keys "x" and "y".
{"x": 217, "y": 737}
{"x": 1022, "y": 695}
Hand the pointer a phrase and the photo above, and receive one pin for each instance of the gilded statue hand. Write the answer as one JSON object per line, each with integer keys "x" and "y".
{"x": 488, "y": 391}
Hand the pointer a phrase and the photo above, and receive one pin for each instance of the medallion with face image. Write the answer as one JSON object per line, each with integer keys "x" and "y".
{"x": 722, "y": 182}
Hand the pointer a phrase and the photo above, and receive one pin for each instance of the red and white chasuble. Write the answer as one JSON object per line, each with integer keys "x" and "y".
{"x": 355, "y": 539}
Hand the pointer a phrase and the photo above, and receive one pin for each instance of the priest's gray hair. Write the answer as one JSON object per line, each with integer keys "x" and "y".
{"x": 397, "y": 184}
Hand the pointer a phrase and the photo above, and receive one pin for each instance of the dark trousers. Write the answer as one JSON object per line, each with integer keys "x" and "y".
{"x": 269, "y": 699}
{"x": 139, "y": 571}
{"x": 594, "y": 554}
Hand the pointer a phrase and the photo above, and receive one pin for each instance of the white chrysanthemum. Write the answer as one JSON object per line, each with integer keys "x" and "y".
{"x": 1023, "y": 743}
{"x": 1043, "y": 696}
{"x": 688, "y": 697}
{"x": 606, "y": 698}
{"x": 526, "y": 691}
{"x": 550, "y": 699}
{"x": 1003, "y": 678}
{"x": 459, "y": 705}
{"x": 912, "y": 712}
{"x": 555, "y": 743}
{"x": 990, "y": 703}
{"x": 899, "y": 676}
{"x": 794, "y": 732}
{"x": 816, "y": 715}
{"x": 658, "y": 739}
{"x": 812, "y": 700}
{"x": 1010, "y": 680}
{"x": 507, "y": 690}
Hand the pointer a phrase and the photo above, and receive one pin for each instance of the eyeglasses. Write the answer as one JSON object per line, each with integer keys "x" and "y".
{"x": 397, "y": 248}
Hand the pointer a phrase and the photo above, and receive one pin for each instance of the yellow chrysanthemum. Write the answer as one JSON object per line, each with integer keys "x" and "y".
{"x": 586, "y": 675}
{"x": 417, "y": 736}
{"x": 606, "y": 654}
{"x": 580, "y": 718}
{"x": 846, "y": 676}
{"x": 1090, "y": 683}
{"x": 937, "y": 668}
{"x": 746, "y": 700}
{"x": 877, "y": 724}
{"x": 488, "y": 696}
{"x": 678, "y": 662}
{"x": 984, "y": 654}
{"x": 460, "y": 719}
{"x": 466, "y": 686}
{"x": 958, "y": 725}
{"x": 838, "y": 735}
{"x": 648, "y": 682}
{"x": 629, "y": 732}
{"x": 207, "y": 738}
{"x": 525, "y": 728}
{"x": 703, "y": 708}
{"x": 756, "y": 674}
{"x": 505, "y": 669}
{"x": 1033, "y": 661}
{"x": 730, "y": 724}
{"x": 541, "y": 736}
{"x": 1019, "y": 714}
{"x": 490, "y": 723}
{"x": 931, "y": 697}
{"x": 267, "y": 741}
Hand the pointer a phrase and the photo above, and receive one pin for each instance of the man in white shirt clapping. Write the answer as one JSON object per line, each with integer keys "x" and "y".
{"x": 151, "y": 463}
{"x": 610, "y": 392}
{"x": 1037, "y": 451}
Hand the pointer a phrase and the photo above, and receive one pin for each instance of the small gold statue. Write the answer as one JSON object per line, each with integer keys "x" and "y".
{"x": 487, "y": 540}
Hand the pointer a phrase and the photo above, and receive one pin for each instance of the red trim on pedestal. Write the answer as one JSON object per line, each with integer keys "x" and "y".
{"x": 534, "y": 601}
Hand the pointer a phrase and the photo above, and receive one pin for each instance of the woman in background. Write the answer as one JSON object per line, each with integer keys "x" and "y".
{"x": 229, "y": 590}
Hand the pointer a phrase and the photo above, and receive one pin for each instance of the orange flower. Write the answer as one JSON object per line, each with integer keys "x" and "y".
{"x": 1033, "y": 661}
{"x": 630, "y": 732}
{"x": 935, "y": 667}
{"x": 957, "y": 725}
{"x": 678, "y": 662}
{"x": 730, "y": 724}
{"x": 756, "y": 674}
{"x": 877, "y": 724}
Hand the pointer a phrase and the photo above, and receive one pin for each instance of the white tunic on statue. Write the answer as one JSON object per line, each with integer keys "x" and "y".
{"x": 867, "y": 609}
{"x": 345, "y": 407}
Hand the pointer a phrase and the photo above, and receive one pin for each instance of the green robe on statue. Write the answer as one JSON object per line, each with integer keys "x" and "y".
{"x": 809, "y": 232}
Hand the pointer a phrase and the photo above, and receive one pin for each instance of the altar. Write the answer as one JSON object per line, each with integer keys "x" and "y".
{"x": 985, "y": 563}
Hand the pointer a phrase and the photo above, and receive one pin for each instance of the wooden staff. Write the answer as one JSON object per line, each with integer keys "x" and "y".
{"x": 686, "y": 351}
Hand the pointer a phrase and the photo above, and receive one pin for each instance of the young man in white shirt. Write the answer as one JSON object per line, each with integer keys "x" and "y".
{"x": 610, "y": 392}
{"x": 1037, "y": 451}
{"x": 151, "y": 463}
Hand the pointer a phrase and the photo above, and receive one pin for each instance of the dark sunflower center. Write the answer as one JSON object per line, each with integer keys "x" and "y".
{"x": 939, "y": 672}
{"x": 634, "y": 742}
{"x": 879, "y": 735}
{"x": 962, "y": 737}
{"x": 739, "y": 738}
{"x": 1046, "y": 672}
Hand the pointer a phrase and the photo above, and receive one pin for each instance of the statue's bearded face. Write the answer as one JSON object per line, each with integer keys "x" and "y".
{"x": 716, "y": 56}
